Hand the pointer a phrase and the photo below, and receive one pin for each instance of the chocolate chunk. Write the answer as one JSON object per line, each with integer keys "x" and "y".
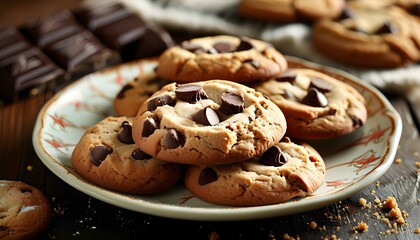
{"x": 190, "y": 93}
{"x": 287, "y": 76}
{"x": 289, "y": 95}
{"x": 11, "y": 44}
{"x": 160, "y": 101}
{"x": 253, "y": 63}
{"x": 346, "y": 13}
{"x": 149, "y": 127}
{"x": 274, "y": 157}
{"x": 206, "y": 116}
{"x": 154, "y": 42}
{"x": 415, "y": 9}
{"x": 124, "y": 89}
{"x": 387, "y": 27}
{"x": 101, "y": 15}
{"x": 207, "y": 175}
{"x": 315, "y": 98}
{"x": 356, "y": 121}
{"x": 320, "y": 84}
{"x": 223, "y": 47}
{"x": 138, "y": 154}
{"x": 232, "y": 103}
{"x": 172, "y": 139}
{"x": 124, "y": 134}
{"x": 98, "y": 154}
{"x": 193, "y": 47}
{"x": 245, "y": 44}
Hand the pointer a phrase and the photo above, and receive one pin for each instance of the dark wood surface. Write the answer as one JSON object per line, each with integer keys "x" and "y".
{"x": 79, "y": 216}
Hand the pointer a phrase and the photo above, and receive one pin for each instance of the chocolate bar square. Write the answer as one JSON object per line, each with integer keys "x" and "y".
{"x": 11, "y": 43}
{"x": 101, "y": 15}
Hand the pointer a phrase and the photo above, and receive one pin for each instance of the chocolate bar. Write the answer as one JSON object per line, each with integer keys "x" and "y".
{"x": 70, "y": 45}
{"x": 124, "y": 31}
{"x": 24, "y": 69}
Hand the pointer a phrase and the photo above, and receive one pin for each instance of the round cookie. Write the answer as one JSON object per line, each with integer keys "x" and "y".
{"x": 287, "y": 11}
{"x": 24, "y": 211}
{"x": 316, "y": 105}
{"x": 285, "y": 171}
{"x": 132, "y": 95}
{"x": 220, "y": 57}
{"x": 107, "y": 156}
{"x": 209, "y": 122}
{"x": 375, "y": 38}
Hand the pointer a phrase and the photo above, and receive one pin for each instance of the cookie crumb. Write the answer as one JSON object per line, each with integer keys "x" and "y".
{"x": 214, "y": 236}
{"x": 29, "y": 168}
{"x": 364, "y": 203}
{"x": 418, "y": 164}
{"x": 398, "y": 161}
{"x": 313, "y": 225}
{"x": 417, "y": 231}
{"x": 362, "y": 226}
{"x": 390, "y": 202}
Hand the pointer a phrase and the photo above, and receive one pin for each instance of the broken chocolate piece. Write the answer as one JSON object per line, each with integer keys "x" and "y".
{"x": 160, "y": 101}
{"x": 190, "y": 93}
{"x": 315, "y": 98}
{"x": 274, "y": 156}
{"x": 149, "y": 127}
{"x": 124, "y": 134}
{"x": 154, "y": 41}
{"x": 98, "y": 154}
{"x": 232, "y": 103}
{"x": 207, "y": 116}
{"x": 207, "y": 175}
{"x": 138, "y": 154}
{"x": 172, "y": 139}
{"x": 320, "y": 84}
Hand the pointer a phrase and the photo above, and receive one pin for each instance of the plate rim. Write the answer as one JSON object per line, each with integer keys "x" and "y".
{"x": 213, "y": 214}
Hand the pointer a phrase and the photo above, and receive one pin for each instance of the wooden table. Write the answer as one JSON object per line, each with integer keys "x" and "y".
{"x": 79, "y": 216}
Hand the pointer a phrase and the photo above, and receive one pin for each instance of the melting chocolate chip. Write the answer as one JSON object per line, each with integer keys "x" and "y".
{"x": 138, "y": 154}
{"x": 223, "y": 47}
{"x": 387, "y": 27}
{"x": 253, "y": 63}
{"x": 244, "y": 45}
{"x": 415, "y": 9}
{"x": 98, "y": 154}
{"x": 356, "y": 121}
{"x": 232, "y": 103}
{"x": 287, "y": 77}
{"x": 273, "y": 157}
{"x": 149, "y": 127}
{"x": 172, "y": 139}
{"x": 190, "y": 93}
{"x": 207, "y": 175}
{"x": 320, "y": 84}
{"x": 123, "y": 90}
{"x": 160, "y": 101}
{"x": 206, "y": 116}
{"x": 124, "y": 135}
{"x": 315, "y": 98}
{"x": 193, "y": 47}
{"x": 289, "y": 95}
{"x": 346, "y": 13}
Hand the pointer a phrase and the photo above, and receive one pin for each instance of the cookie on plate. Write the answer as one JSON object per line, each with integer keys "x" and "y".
{"x": 316, "y": 106}
{"x": 220, "y": 57}
{"x": 107, "y": 156}
{"x": 132, "y": 95}
{"x": 287, "y": 11}
{"x": 24, "y": 211}
{"x": 208, "y": 122}
{"x": 285, "y": 171}
{"x": 375, "y": 38}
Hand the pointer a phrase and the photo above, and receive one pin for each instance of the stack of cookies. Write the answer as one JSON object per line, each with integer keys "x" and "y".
{"x": 227, "y": 116}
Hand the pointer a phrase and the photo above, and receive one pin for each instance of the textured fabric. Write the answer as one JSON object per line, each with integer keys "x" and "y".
{"x": 221, "y": 17}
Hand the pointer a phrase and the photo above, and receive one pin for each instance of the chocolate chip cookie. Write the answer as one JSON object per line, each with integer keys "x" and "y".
{"x": 285, "y": 171}
{"x": 287, "y": 11}
{"x": 316, "y": 106}
{"x": 24, "y": 211}
{"x": 107, "y": 156}
{"x": 375, "y": 38}
{"x": 208, "y": 122}
{"x": 132, "y": 95}
{"x": 220, "y": 57}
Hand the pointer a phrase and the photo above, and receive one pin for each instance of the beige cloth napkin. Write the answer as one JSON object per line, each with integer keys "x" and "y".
{"x": 221, "y": 17}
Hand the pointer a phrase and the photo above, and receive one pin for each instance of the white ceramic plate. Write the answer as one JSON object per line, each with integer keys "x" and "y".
{"x": 353, "y": 162}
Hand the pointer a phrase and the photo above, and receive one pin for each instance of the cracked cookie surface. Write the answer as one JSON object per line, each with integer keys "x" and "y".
{"x": 316, "y": 106}
{"x": 375, "y": 38}
{"x": 209, "y": 122}
{"x": 220, "y": 57}
{"x": 25, "y": 212}
{"x": 107, "y": 156}
{"x": 285, "y": 171}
